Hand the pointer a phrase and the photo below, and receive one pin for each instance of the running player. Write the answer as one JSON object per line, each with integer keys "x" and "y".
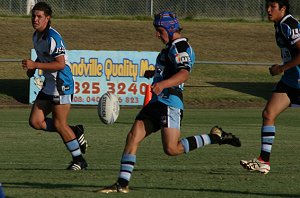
{"x": 165, "y": 110}
{"x": 56, "y": 95}
{"x": 287, "y": 91}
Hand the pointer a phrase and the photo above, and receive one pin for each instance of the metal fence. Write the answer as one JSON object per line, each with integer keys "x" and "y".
{"x": 198, "y": 9}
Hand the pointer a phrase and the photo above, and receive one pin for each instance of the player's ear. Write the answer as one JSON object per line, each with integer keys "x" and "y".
{"x": 48, "y": 18}
{"x": 283, "y": 9}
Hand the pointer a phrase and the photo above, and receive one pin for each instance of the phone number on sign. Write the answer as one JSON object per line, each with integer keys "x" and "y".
{"x": 92, "y": 99}
{"x": 85, "y": 91}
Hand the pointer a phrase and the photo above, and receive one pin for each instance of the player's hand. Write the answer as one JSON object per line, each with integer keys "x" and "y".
{"x": 276, "y": 69}
{"x": 157, "y": 88}
{"x": 28, "y": 64}
{"x": 149, "y": 74}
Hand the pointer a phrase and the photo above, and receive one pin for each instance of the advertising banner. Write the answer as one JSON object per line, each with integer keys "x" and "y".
{"x": 98, "y": 72}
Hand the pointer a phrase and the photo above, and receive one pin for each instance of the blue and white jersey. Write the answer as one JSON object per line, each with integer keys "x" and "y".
{"x": 176, "y": 56}
{"x": 49, "y": 46}
{"x": 287, "y": 34}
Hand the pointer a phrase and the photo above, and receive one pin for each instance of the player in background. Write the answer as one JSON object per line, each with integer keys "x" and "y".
{"x": 57, "y": 92}
{"x": 287, "y": 91}
{"x": 165, "y": 109}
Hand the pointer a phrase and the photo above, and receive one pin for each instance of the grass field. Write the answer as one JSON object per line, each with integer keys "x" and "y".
{"x": 32, "y": 163}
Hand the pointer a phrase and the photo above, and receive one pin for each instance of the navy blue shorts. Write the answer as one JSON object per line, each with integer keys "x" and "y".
{"x": 293, "y": 93}
{"x": 161, "y": 115}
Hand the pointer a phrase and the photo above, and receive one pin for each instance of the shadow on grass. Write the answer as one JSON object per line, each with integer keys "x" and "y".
{"x": 258, "y": 89}
{"x": 229, "y": 192}
{"x": 18, "y": 89}
{"x": 36, "y": 185}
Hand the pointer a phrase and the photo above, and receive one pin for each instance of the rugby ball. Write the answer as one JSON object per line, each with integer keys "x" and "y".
{"x": 108, "y": 108}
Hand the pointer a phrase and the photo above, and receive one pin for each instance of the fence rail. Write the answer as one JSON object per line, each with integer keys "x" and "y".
{"x": 3, "y": 60}
{"x": 199, "y": 9}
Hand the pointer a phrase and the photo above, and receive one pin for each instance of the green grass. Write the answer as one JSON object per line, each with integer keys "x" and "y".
{"x": 32, "y": 162}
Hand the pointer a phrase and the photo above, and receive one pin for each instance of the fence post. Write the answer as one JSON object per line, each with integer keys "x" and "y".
{"x": 262, "y": 10}
{"x": 151, "y": 8}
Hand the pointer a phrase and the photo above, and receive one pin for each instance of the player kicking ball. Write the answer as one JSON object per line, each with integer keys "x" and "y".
{"x": 165, "y": 109}
{"x": 57, "y": 92}
{"x": 287, "y": 91}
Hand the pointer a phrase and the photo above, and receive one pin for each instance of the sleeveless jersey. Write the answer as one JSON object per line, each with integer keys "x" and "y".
{"x": 287, "y": 34}
{"x": 176, "y": 56}
{"x": 48, "y": 47}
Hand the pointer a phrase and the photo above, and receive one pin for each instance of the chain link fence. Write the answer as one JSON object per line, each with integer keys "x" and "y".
{"x": 196, "y": 9}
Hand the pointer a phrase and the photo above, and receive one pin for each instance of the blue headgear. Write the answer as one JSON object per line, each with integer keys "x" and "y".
{"x": 168, "y": 21}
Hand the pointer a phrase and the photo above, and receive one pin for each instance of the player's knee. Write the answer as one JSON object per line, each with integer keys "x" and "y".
{"x": 171, "y": 151}
{"x": 34, "y": 124}
{"x": 266, "y": 115}
{"x": 31, "y": 124}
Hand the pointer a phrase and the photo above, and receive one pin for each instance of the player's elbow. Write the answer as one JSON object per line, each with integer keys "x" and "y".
{"x": 184, "y": 75}
{"x": 61, "y": 66}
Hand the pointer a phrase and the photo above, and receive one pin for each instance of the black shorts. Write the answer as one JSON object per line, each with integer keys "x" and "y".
{"x": 60, "y": 99}
{"x": 161, "y": 115}
{"x": 293, "y": 93}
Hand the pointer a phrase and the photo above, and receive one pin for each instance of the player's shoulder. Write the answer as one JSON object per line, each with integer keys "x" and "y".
{"x": 289, "y": 21}
{"x": 53, "y": 33}
{"x": 181, "y": 44}
{"x": 289, "y": 27}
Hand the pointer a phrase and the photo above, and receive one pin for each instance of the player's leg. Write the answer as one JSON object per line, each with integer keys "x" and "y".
{"x": 38, "y": 119}
{"x": 136, "y": 135}
{"x": 146, "y": 122}
{"x": 276, "y": 105}
{"x": 171, "y": 135}
{"x": 79, "y": 133}
{"x": 174, "y": 146}
{"x": 60, "y": 114}
{"x": 41, "y": 108}
{"x": 139, "y": 130}
{"x": 171, "y": 141}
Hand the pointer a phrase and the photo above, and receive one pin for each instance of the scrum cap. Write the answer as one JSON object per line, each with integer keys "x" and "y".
{"x": 168, "y": 21}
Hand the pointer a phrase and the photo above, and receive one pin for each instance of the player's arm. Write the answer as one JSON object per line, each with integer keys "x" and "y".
{"x": 177, "y": 79}
{"x": 294, "y": 62}
{"x": 57, "y": 64}
{"x": 278, "y": 69}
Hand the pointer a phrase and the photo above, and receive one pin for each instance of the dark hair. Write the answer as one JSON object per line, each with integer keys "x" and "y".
{"x": 43, "y": 6}
{"x": 281, "y": 3}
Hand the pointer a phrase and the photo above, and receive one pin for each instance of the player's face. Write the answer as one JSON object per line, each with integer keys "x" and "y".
{"x": 162, "y": 34}
{"x": 39, "y": 20}
{"x": 275, "y": 14}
